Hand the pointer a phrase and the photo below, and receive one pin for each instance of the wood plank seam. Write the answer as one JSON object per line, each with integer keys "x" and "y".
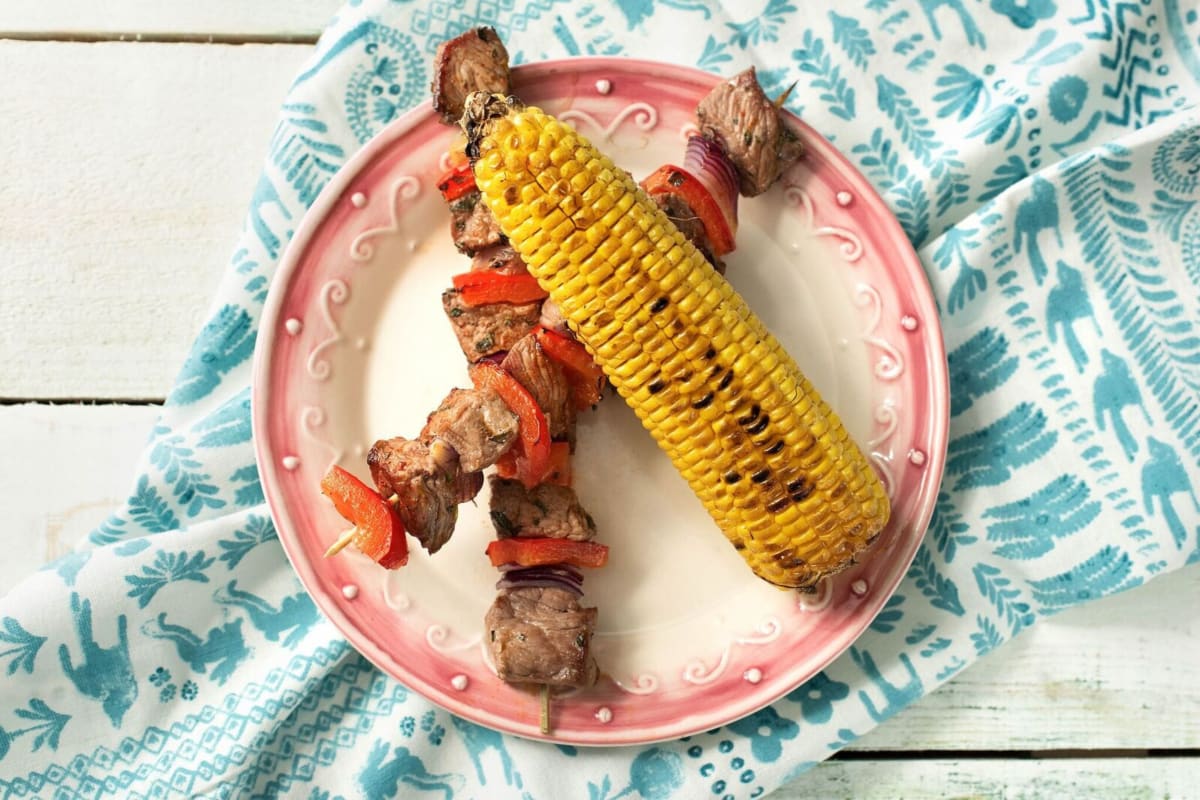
{"x": 157, "y": 37}
{"x": 1047, "y": 754}
{"x": 82, "y": 401}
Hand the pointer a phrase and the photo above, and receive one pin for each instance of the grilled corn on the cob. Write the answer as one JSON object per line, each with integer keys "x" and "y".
{"x": 770, "y": 461}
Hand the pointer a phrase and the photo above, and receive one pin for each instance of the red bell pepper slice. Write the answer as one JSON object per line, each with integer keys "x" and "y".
{"x": 559, "y": 471}
{"x": 560, "y": 464}
{"x": 585, "y": 376}
{"x": 533, "y": 457}
{"x": 537, "y": 552}
{"x": 457, "y": 181}
{"x": 489, "y": 286}
{"x": 380, "y": 533}
{"x": 506, "y": 465}
{"x": 670, "y": 179}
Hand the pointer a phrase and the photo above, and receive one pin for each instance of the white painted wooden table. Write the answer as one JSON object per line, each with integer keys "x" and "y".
{"x": 132, "y": 134}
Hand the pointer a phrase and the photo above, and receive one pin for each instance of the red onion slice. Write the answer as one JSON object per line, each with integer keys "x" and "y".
{"x": 543, "y": 583}
{"x": 557, "y": 577}
{"x": 563, "y": 570}
{"x": 706, "y": 159}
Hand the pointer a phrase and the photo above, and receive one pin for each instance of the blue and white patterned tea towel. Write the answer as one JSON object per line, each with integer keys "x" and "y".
{"x": 1044, "y": 158}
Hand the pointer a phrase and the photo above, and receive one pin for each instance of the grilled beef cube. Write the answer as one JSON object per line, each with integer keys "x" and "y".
{"x": 541, "y": 635}
{"x": 547, "y": 510}
{"x": 477, "y": 424}
{"x": 473, "y": 226}
{"x": 500, "y": 258}
{"x": 475, "y": 61}
{"x": 528, "y": 363}
{"x": 747, "y": 123}
{"x": 428, "y": 484}
{"x": 489, "y": 328}
{"x": 689, "y": 224}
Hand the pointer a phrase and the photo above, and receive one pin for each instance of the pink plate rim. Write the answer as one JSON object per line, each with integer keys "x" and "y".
{"x": 794, "y": 674}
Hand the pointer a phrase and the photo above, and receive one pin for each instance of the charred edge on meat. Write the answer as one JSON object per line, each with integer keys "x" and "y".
{"x": 480, "y": 111}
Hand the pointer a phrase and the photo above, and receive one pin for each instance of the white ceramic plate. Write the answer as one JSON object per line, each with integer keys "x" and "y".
{"x": 354, "y": 347}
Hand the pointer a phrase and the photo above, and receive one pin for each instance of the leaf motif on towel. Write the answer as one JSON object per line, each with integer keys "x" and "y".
{"x": 1028, "y": 528}
{"x": 989, "y": 455}
{"x": 947, "y": 529}
{"x": 225, "y": 343}
{"x": 148, "y": 509}
{"x": 940, "y": 590}
{"x": 713, "y": 55}
{"x": 979, "y": 366}
{"x": 763, "y": 26}
{"x": 961, "y": 91}
{"x": 987, "y": 637}
{"x": 167, "y": 568}
{"x": 1004, "y": 596}
{"x": 885, "y": 621}
{"x": 228, "y": 425}
{"x": 912, "y": 125}
{"x": 304, "y": 152}
{"x": 1109, "y": 570}
{"x": 1007, "y": 174}
{"x": 46, "y": 728}
{"x": 181, "y": 469}
{"x": 903, "y": 191}
{"x": 827, "y": 79}
{"x": 257, "y": 530}
{"x": 251, "y": 492}
{"x": 21, "y": 646}
{"x": 853, "y": 39}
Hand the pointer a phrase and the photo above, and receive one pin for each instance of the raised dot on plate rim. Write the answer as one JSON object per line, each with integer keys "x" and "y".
{"x": 293, "y": 326}
{"x": 909, "y": 323}
{"x": 350, "y": 591}
{"x": 290, "y": 462}
{"x": 459, "y": 682}
{"x": 753, "y": 675}
{"x": 916, "y": 457}
{"x": 844, "y": 198}
{"x": 358, "y": 199}
{"x": 603, "y": 86}
{"x": 604, "y": 714}
{"x": 859, "y": 587}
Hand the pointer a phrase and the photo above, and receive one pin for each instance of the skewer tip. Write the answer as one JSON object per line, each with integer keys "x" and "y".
{"x": 545, "y": 715}
{"x": 341, "y": 543}
{"x": 779, "y": 101}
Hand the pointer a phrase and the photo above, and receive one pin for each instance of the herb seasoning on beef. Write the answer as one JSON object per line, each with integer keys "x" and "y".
{"x": 547, "y": 510}
{"x": 490, "y": 328}
{"x": 748, "y": 125}
{"x": 541, "y": 635}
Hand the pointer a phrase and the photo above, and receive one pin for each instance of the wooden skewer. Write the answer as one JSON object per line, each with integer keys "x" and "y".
{"x": 545, "y": 716}
{"x": 779, "y": 101}
{"x": 340, "y": 545}
{"x": 348, "y": 536}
